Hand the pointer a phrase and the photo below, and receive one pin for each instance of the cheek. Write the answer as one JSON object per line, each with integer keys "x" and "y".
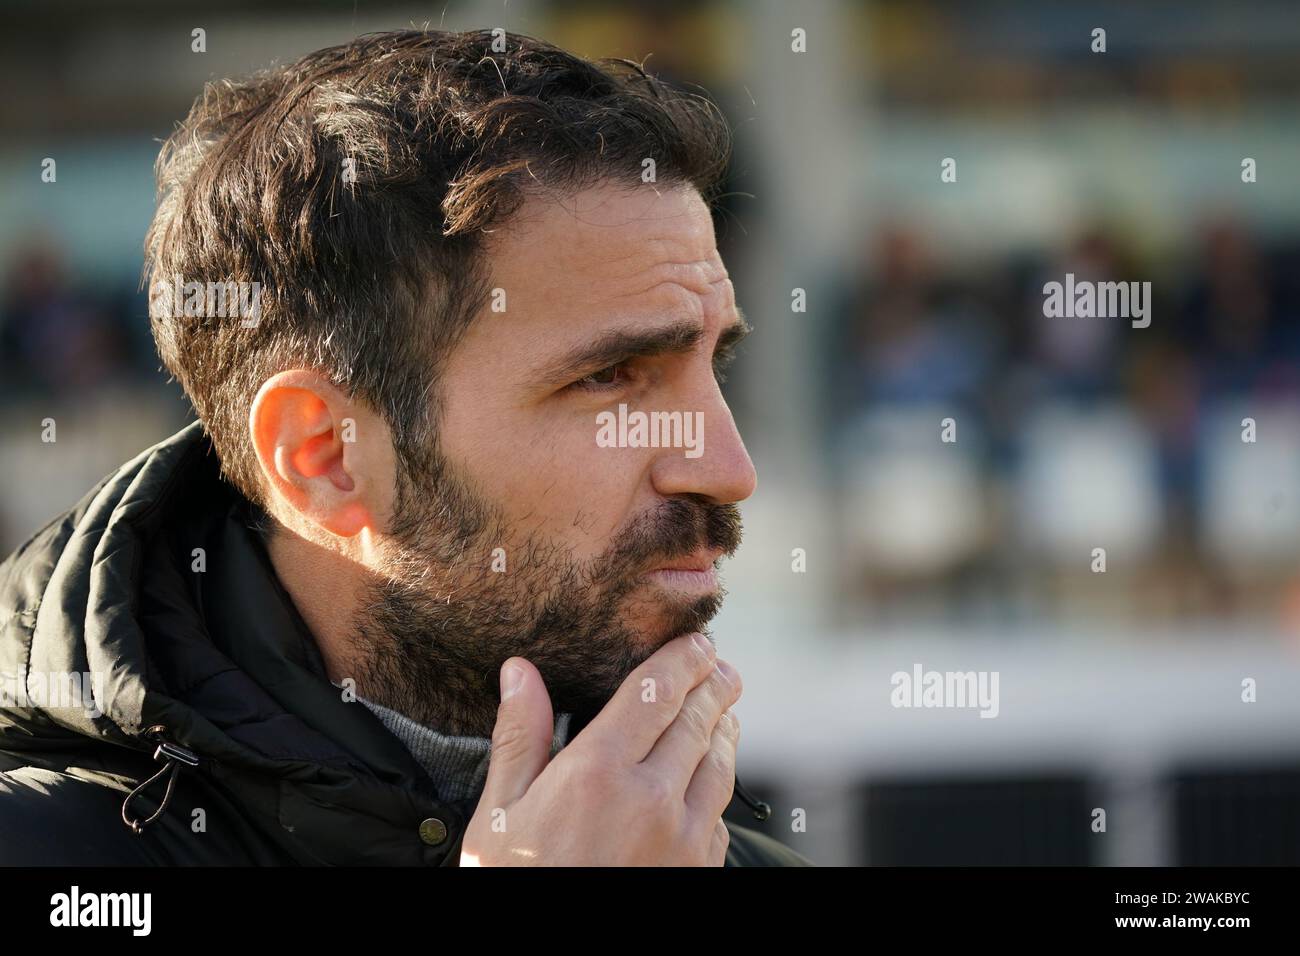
{"x": 578, "y": 493}
{"x": 553, "y": 481}
{"x": 593, "y": 498}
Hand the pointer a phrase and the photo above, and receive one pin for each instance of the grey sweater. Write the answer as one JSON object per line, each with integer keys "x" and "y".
{"x": 457, "y": 766}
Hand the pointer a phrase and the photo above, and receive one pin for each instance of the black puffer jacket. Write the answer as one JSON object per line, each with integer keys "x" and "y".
{"x": 213, "y": 706}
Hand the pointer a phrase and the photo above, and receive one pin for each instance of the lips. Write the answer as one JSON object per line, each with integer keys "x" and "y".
{"x": 696, "y": 561}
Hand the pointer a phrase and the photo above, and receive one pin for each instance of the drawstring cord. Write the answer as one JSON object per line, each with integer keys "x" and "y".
{"x": 762, "y": 809}
{"x": 172, "y": 756}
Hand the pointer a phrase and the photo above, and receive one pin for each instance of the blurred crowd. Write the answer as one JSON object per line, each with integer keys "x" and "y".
{"x": 64, "y": 339}
{"x": 1070, "y": 433}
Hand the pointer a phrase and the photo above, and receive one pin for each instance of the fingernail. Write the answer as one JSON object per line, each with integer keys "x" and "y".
{"x": 512, "y": 678}
{"x": 728, "y": 671}
{"x": 703, "y": 643}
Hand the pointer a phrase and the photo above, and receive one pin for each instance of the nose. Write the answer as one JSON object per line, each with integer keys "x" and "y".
{"x": 719, "y": 468}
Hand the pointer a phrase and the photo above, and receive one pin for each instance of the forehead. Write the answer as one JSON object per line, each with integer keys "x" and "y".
{"x": 594, "y": 260}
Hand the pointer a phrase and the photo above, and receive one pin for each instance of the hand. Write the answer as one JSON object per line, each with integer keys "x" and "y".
{"x": 644, "y": 784}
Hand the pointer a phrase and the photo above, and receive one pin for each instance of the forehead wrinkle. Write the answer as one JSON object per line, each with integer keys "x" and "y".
{"x": 697, "y": 277}
{"x": 691, "y": 304}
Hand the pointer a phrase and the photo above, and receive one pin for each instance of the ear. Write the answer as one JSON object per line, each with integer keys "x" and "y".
{"x": 322, "y": 456}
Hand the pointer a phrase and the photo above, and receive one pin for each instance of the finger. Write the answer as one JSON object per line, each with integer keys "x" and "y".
{"x": 681, "y": 747}
{"x": 721, "y": 839}
{"x": 648, "y": 701}
{"x": 714, "y": 782}
{"x": 522, "y": 737}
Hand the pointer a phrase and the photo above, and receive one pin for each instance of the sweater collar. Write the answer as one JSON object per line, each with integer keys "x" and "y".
{"x": 457, "y": 765}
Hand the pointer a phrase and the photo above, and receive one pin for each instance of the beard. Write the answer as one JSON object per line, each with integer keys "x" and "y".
{"x": 460, "y": 591}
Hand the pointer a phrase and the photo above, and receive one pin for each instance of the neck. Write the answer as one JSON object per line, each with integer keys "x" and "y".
{"x": 393, "y": 660}
{"x": 326, "y": 589}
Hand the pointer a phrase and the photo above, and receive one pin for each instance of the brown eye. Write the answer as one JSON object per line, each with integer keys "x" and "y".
{"x": 612, "y": 376}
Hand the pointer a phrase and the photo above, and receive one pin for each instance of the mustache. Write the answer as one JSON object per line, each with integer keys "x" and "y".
{"x": 675, "y": 529}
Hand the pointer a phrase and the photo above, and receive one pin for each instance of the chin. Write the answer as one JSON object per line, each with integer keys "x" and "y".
{"x": 660, "y": 621}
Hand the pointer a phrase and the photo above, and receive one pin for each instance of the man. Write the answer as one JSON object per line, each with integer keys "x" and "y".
{"x": 405, "y": 594}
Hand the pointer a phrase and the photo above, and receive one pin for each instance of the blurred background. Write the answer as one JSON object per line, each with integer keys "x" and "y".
{"x": 872, "y": 546}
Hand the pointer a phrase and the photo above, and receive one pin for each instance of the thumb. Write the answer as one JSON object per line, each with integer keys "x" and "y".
{"x": 521, "y": 739}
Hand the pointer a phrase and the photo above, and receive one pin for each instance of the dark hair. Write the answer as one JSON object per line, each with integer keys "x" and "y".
{"x": 371, "y": 278}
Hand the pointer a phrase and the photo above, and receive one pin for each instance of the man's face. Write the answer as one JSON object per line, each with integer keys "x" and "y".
{"x": 536, "y": 538}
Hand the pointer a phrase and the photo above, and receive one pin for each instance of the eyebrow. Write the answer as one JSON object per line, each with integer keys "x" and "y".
{"x": 619, "y": 345}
